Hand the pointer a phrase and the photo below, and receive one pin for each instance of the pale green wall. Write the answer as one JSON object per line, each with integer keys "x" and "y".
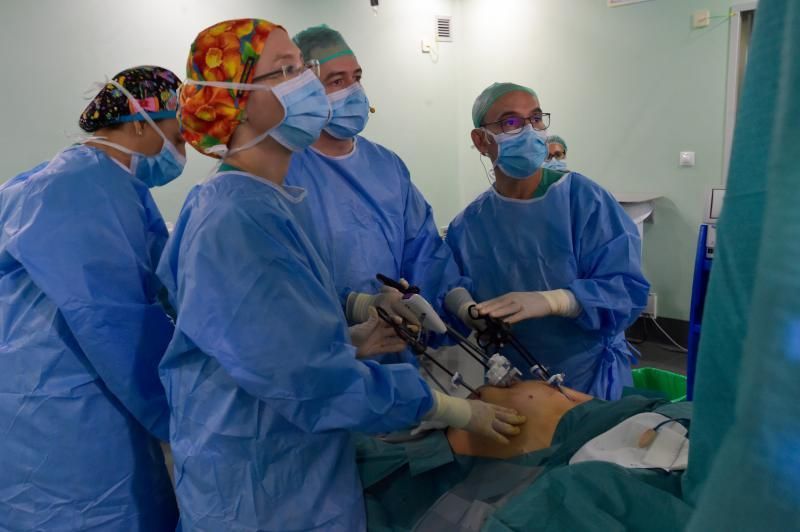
{"x": 628, "y": 88}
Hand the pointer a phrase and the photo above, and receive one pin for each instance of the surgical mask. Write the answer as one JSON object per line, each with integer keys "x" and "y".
{"x": 350, "y": 112}
{"x": 555, "y": 164}
{"x": 306, "y": 111}
{"x": 520, "y": 155}
{"x": 158, "y": 170}
{"x": 153, "y": 170}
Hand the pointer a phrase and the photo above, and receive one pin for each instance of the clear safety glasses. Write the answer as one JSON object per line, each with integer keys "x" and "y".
{"x": 289, "y": 72}
{"x": 513, "y": 124}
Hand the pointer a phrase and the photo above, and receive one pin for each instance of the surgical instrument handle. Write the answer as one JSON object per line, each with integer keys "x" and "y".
{"x": 397, "y": 285}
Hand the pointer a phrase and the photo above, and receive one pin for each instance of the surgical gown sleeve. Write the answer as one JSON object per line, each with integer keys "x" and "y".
{"x": 91, "y": 254}
{"x": 610, "y": 285}
{"x": 427, "y": 260}
{"x": 253, "y": 297}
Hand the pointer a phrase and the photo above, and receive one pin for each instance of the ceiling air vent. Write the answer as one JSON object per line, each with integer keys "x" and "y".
{"x": 444, "y": 29}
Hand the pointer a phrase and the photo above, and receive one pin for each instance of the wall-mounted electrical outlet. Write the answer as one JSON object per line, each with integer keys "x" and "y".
{"x": 651, "y": 311}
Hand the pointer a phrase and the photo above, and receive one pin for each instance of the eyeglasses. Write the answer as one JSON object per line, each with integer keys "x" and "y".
{"x": 513, "y": 124}
{"x": 289, "y": 71}
{"x": 558, "y": 155}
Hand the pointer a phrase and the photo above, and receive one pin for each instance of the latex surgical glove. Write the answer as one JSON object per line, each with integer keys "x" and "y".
{"x": 473, "y": 415}
{"x": 514, "y": 307}
{"x": 375, "y": 337}
{"x": 458, "y": 301}
{"x": 389, "y": 299}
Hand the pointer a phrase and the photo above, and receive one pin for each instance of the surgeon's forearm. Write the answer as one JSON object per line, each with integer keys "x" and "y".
{"x": 610, "y": 305}
{"x": 390, "y": 397}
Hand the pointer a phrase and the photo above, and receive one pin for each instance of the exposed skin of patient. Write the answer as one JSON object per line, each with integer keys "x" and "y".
{"x": 541, "y": 404}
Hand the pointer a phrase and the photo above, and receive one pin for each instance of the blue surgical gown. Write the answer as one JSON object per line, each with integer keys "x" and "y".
{"x": 81, "y": 335}
{"x": 372, "y": 219}
{"x": 263, "y": 384}
{"x": 576, "y": 236}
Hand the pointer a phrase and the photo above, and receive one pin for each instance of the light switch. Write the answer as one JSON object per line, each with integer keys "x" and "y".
{"x": 686, "y": 158}
{"x": 701, "y": 18}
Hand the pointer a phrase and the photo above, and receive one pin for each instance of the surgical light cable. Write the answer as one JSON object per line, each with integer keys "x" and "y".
{"x": 649, "y": 436}
{"x": 683, "y": 421}
{"x": 670, "y": 338}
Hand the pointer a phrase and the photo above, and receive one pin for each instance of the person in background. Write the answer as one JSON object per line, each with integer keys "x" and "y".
{"x": 363, "y": 202}
{"x": 81, "y": 329}
{"x": 262, "y": 377}
{"x": 551, "y": 252}
{"x": 556, "y": 153}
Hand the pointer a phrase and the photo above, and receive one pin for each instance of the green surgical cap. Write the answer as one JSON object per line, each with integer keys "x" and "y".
{"x": 555, "y": 139}
{"x": 490, "y": 95}
{"x": 321, "y": 43}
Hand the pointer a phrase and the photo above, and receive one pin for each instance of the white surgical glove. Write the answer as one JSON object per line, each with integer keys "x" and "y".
{"x": 375, "y": 337}
{"x": 514, "y": 307}
{"x": 389, "y": 299}
{"x": 458, "y": 301}
{"x": 492, "y": 421}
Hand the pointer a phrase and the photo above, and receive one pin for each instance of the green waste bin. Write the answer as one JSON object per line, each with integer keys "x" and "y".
{"x": 658, "y": 383}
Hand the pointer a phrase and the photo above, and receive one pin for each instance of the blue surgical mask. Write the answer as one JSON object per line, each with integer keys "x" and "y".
{"x": 520, "y": 155}
{"x": 153, "y": 170}
{"x": 556, "y": 164}
{"x": 306, "y": 111}
{"x": 350, "y": 112}
{"x": 158, "y": 170}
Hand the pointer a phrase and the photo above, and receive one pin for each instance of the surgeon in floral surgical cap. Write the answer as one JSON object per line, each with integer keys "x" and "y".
{"x": 265, "y": 381}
